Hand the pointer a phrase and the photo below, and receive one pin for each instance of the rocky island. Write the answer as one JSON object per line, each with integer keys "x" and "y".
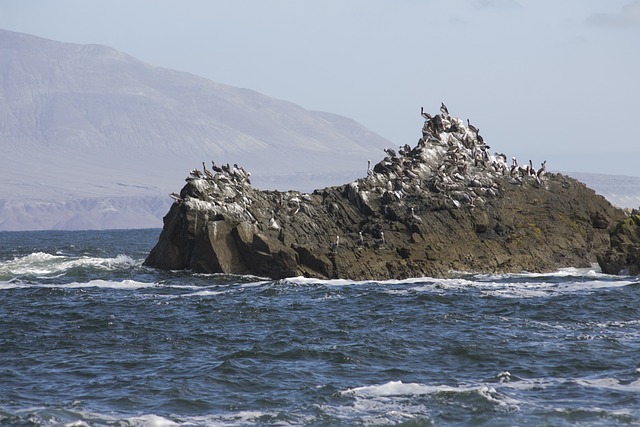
{"x": 445, "y": 206}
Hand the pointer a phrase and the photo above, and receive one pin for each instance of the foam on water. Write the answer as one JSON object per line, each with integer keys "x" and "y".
{"x": 40, "y": 264}
{"x": 106, "y": 284}
{"x": 395, "y": 401}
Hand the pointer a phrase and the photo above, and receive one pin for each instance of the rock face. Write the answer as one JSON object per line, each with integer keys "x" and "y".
{"x": 446, "y": 205}
{"x": 624, "y": 255}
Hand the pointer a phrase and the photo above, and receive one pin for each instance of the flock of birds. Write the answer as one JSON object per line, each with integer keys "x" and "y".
{"x": 451, "y": 158}
{"x": 220, "y": 175}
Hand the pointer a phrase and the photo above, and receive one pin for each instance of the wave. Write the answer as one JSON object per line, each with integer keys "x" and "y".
{"x": 41, "y": 416}
{"x": 521, "y": 285}
{"x": 105, "y": 284}
{"x": 40, "y": 264}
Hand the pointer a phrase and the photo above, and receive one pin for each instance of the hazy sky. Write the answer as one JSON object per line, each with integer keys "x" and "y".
{"x": 542, "y": 79}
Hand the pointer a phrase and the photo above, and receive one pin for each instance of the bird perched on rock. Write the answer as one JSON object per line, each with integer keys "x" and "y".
{"x": 215, "y": 168}
{"x": 334, "y": 245}
{"x": 390, "y": 151}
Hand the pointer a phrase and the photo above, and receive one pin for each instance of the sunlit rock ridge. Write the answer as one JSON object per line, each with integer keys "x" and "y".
{"x": 94, "y": 138}
{"x": 449, "y": 204}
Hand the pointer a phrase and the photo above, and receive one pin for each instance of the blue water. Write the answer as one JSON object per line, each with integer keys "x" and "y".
{"x": 89, "y": 337}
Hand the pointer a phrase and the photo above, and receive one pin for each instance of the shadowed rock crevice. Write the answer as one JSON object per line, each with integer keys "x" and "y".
{"x": 446, "y": 205}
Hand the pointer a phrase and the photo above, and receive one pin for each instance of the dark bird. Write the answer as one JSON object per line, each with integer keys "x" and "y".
{"x": 472, "y": 128}
{"x": 444, "y": 109}
{"x": 215, "y": 168}
{"x": 542, "y": 170}
{"x": 425, "y": 115}
{"x": 391, "y": 152}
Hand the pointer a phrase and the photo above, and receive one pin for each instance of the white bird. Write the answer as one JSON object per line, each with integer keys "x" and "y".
{"x": 273, "y": 224}
{"x": 334, "y": 246}
{"x": 415, "y": 217}
{"x": 456, "y": 204}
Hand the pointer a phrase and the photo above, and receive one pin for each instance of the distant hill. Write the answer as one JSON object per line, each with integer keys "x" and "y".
{"x": 86, "y": 130}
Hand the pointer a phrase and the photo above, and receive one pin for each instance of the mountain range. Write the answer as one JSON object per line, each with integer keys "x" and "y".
{"x": 92, "y": 138}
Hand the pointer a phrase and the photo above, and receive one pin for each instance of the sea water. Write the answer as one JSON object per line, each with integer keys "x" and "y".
{"x": 90, "y": 337}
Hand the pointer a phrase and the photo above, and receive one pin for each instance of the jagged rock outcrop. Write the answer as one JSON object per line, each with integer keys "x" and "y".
{"x": 624, "y": 255}
{"x": 443, "y": 206}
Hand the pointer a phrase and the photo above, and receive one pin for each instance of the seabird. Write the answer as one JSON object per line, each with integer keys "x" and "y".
{"x": 514, "y": 166}
{"x": 414, "y": 216}
{"x": 206, "y": 171}
{"x": 391, "y": 152}
{"x": 360, "y": 238}
{"x": 215, "y": 168}
{"x": 196, "y": 173}
{"x": 425, "y": 115}
{"x": 543, "y": 167}
{"x": 176, "y": 197}
{"x": 472, "y": 127}
{"x": 334, "y": 246}
{"x": 273, "y": 224}
{"x": 444, "y": 109}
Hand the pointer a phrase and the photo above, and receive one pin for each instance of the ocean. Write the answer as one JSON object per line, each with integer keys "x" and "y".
{"x": 90, "y": 337}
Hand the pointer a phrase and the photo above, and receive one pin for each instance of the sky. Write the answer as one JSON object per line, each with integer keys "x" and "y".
{"x": 542, "y": 79}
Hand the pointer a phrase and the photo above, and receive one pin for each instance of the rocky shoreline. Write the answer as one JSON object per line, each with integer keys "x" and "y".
{"x": 445, "y": 206}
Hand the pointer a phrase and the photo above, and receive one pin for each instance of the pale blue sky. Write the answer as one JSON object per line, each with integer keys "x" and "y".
{"x": 542, "y": 79}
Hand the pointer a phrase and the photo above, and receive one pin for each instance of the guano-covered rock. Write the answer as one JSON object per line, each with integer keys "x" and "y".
{"x": 446, "y": 205}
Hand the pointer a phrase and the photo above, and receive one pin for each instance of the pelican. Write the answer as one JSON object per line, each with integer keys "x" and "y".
{"x": 444, "y": 109}
{"x": 215, "y": 168}
{"x": 206, "y": 171}
{"x": 541, "y": 171}
{"x": 334, "y": 246}
{"x": 391, "y": 152}
{"x": 472, "y": 127}
{"x": 427, "y": 116}
{"x": 415, "y": 217}
{"x": 514, "y": 166}
{"x": 273, "y": 224}
{"x": 176, "y": 197}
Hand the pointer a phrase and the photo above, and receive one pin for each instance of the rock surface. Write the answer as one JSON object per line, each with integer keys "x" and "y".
{"x": 624, "y": 255}
{"x": 446, "y": 205}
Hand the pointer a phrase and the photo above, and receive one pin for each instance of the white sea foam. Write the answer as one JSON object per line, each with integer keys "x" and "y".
{"x": 400, "y": 389}
{"x": 524, "y": 285}
{"x": 205, "y": 293}
{"x": 107, "y": 284}
{"x": 610, "y": 384}
{"x": 41, "y": 264}
{"x": 151, "y": 421}
{"x": 395, "y": 402}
